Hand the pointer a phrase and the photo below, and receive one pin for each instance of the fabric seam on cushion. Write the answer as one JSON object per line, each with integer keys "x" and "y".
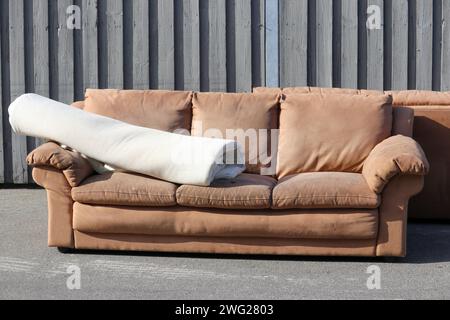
{"x": 114, "y": 192}
{"x": 316, "y": 196}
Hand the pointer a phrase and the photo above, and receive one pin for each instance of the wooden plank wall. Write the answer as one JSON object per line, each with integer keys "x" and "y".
{"x": 160, "y": 44}
{"x": 410, "y": 51}
{"x": 212, "y": 45}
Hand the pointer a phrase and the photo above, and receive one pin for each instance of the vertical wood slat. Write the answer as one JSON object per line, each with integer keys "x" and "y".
{"x": 217, "y": 70}
{"x": 114, "y": 26}
{"x": 375, "y": 52}
{"x": 349, "y": 44}
{"x": 40, "y": 48}
{"x": 445, "y": 73}
{"x": 90, "y": 43}
{"x": 166, "y": 45}
{"x": 191, "y": 45}
{"x": 65, "y": 55}
{"x": 258, "y": 43}
{"x": 17, "y": 85}
{"x": 272, "y": 61}
{"x": 424, "y": 45}
{"x": 141, "y": 55}
{"x": 399, "y": 44}
{"x": 41, "y": 58}
{"x": 243, "y": 45}
{"x": 2, "y": 163}
{"x": 294, "y": 43}
{"x": 324, "y": 43}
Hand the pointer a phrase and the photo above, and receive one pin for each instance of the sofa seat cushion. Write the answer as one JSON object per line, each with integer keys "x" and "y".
{"x": 247, "y": 191}
{"x": 324, "y": 190}
{"x": 187, "y": 222}
{"x": 125, "y": 189}
{"x": 329, "y": 132}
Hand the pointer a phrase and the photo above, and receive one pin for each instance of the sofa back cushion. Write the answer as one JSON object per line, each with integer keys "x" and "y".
{"x": 417, "y": 98}
{"x": 329, "y": 132}
{"x": 403, "y": 117}
{"x": 247, "y": 118}
{"x": 162, "y": 110}
{"x": 297, "y": 90}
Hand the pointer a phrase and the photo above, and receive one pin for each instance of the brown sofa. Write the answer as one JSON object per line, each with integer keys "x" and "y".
{"x": 346, "y": 167}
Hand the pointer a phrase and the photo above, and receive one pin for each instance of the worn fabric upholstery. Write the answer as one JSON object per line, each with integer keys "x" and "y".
{"x": 247, "y": 191}
{"x": 324, "y": 190}
{"x": 125, "y": 189}
{"x": 303, "y": 90}
{"x": 331, "y": 133}
{"x": 180, "y": 221}
{"x": 238, "y": 113}
{"x": 393, "y": 223}
{"x": 403, "y": 116}
{"x": 60, "y": 206}
{"x": 411, "y": 98}
{"x": 396, "y": 155}
{"x": 74, "y": 167}
{"x": 220, "y": 245}
{"x": 155, "y": 109}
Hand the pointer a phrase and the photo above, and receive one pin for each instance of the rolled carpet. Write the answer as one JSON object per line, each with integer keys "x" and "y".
{"x": 167, "y": 156}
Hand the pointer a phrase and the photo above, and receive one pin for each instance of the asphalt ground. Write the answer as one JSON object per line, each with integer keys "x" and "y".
{"x": 31, "y": 270}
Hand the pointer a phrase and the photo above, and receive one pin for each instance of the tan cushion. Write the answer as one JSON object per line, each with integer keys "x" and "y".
{"x": 396, "y": 155}
{"x": 324, "y": 190}
{"x": 215, "y": 113}
{"x": 410, "y": 98}
{"x": 403, "y": 116}
{"x": 74, "y": 167}
{"x": 296, "y": 90}
{"x": 266, "y": 224}
{"x": 162, "y": 110}
{"x": 125, "y": 189}
{"x": 247, "y": 191}
{"x": 332, "y": 133}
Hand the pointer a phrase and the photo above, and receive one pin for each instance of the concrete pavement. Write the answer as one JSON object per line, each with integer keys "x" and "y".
{"x": 30, "y": 270}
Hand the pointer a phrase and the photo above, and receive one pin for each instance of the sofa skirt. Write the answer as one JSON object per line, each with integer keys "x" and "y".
{"x": 216, "y": 245}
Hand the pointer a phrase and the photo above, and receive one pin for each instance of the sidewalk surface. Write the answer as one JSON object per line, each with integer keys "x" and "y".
{"x": 30, "y": 270}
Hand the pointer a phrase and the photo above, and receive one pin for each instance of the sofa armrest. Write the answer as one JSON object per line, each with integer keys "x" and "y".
{"x": 74, "y": 167}
{"x": 397, "y": 155}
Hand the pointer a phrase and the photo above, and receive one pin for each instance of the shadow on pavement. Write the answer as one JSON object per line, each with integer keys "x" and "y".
{"x": 428, "y": 243}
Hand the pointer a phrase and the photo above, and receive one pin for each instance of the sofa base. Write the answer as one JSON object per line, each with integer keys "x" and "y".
{"x": 254, "y": 246}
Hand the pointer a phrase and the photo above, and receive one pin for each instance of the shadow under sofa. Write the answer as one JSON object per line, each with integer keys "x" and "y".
{"x": 327, "y": 213}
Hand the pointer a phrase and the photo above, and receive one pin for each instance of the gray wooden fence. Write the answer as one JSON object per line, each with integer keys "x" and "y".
{"x": 212, "y": 45}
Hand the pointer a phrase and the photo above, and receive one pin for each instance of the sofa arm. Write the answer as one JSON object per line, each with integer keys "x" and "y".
{"x": 74, "y": 167}
{"x": 397, "y": 155}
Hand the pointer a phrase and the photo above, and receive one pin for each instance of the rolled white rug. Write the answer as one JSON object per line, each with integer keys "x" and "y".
{"x": 167, "y": 156}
